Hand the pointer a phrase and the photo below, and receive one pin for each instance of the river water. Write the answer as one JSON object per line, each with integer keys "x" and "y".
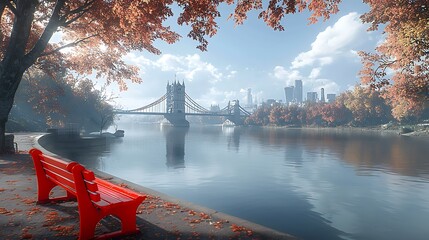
{"x": 311, "y": 183}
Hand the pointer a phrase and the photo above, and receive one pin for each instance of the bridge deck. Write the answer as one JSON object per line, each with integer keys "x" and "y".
{"x": 163, "y": 114}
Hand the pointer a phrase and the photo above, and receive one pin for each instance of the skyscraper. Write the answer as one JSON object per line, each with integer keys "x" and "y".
{"x": 311, "y": 96}
{"x": 249, "y": 97}
{"x": 298, "y": 91}
{"x": 322, "y": 95}
{"x": 289, "y": 94}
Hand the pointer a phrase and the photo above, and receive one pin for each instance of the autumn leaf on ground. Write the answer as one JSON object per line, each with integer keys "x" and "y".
{"x": 236, "y": 228}
{"x": 195, "y": 221}
{"x": 51, "y": 218}
{"x": 3, "y": 211}
{"x": 25, "y": 234}
{"x": 169, "y": 205}
{"x": 63, "y": 230}
{"x": 217, "y": 225}
{"x": 28, "y": 201}
{"x": 204, "y": 215}
{"x": 33, "y": 211}
{"x": 11, "y": 182}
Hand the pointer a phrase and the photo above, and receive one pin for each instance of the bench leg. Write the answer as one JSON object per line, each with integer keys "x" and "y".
{"x": 87, "y": 227}
{"x": 43, "y": 190}
{"x": 127, "y": 216}
{"x": 128, "y": 220}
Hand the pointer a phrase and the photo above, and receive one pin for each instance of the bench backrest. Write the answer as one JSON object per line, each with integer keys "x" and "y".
{"x": 72, "y": 176}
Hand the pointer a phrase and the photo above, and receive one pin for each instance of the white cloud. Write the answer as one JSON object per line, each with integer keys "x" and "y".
{"x": 314, "y": 85}
{"x": 190, "y": 67}
{"x": 231, "y": 74}
{"x": 315, "y": 72}
{"x": 138, "y": 60}
{"x": 333, "y": 41}
{"x": 289, "y": 76}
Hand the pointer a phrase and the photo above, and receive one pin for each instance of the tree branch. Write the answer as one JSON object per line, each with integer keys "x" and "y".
{"x": 80, "y": 11}
{"x": 66, "y": 23}
{"x": 11, "y": 7}
{"x": 40, "y": 46}
{"x": 72, "y": 44}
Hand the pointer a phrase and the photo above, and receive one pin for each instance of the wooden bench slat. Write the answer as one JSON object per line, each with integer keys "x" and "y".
{"x": 112, "y": 197}
{"x": 94, "y": 196}
{"x": 117, "y": 188}
{"x": 91, "y": 186}
{"x": 57, "y": 162}
{"x": 60, "y": 171}
{"x": 64, "y": 182}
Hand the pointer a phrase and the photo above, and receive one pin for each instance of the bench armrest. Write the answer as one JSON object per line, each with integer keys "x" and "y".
{"x": 120, "y": 189}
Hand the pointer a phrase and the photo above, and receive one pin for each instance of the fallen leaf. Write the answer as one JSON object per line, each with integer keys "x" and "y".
{"x": 3, "y": 211}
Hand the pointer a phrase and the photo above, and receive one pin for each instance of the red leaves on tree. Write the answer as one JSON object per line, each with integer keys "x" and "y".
{"x": 401, "y": 65}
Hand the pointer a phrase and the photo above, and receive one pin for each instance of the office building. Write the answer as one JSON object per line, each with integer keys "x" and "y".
{"x": 271, "y": 102}
{"x": 249, "y": 98}
{"x": 298, "y": 91}
{"x": 289, "y": 94}
{"x": 311, "y": 96}
{"x": 322, "y": 95}
{"x": 331, "y": 97}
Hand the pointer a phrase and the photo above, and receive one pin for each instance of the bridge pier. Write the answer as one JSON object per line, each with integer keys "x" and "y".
{"x": 176, "y": 120}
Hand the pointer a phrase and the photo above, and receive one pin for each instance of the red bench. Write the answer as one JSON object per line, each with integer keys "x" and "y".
{"x": 96, "y": 198}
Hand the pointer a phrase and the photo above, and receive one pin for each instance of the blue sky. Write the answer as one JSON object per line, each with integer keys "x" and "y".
{"x": 255, "y": 56}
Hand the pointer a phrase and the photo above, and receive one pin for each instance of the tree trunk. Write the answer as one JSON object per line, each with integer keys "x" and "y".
{"x": 2, "y": 136}
{"x": 5, "y": 107}
{"x": 10, "y": 78}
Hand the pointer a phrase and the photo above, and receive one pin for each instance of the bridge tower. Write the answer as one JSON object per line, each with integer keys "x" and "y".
{"x": 175, "y": 101}
{"x": 235, "y": 111}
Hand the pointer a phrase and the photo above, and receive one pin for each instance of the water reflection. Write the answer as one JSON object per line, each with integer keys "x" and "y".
{"x": 366, "y": 151}
{"x": 233, "y": 137}
{"x": 175, "y": 146}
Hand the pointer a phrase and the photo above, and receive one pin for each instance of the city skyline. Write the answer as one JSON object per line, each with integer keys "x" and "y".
{"x": 254, "y": 56}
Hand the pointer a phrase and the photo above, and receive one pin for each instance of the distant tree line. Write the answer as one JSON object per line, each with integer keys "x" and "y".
{"x": 361, "y": 107}
{"x": 43, "y": 102}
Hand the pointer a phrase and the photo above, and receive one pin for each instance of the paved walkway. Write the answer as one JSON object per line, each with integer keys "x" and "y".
{"x": 159, "y": 217}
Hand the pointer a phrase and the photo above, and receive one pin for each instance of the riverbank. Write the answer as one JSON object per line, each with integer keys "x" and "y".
{"x": 159, "y": 217}
{"x": 419, "y": 132}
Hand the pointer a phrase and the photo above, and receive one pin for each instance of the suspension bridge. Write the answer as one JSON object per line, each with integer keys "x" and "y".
{"x": 176, "y": 104}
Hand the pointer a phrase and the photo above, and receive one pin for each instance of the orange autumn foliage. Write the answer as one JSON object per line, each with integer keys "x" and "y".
{"x": 400, "y": 65}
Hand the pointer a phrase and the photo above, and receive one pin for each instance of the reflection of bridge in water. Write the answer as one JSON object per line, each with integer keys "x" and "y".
{"x": 175, "y": 105}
